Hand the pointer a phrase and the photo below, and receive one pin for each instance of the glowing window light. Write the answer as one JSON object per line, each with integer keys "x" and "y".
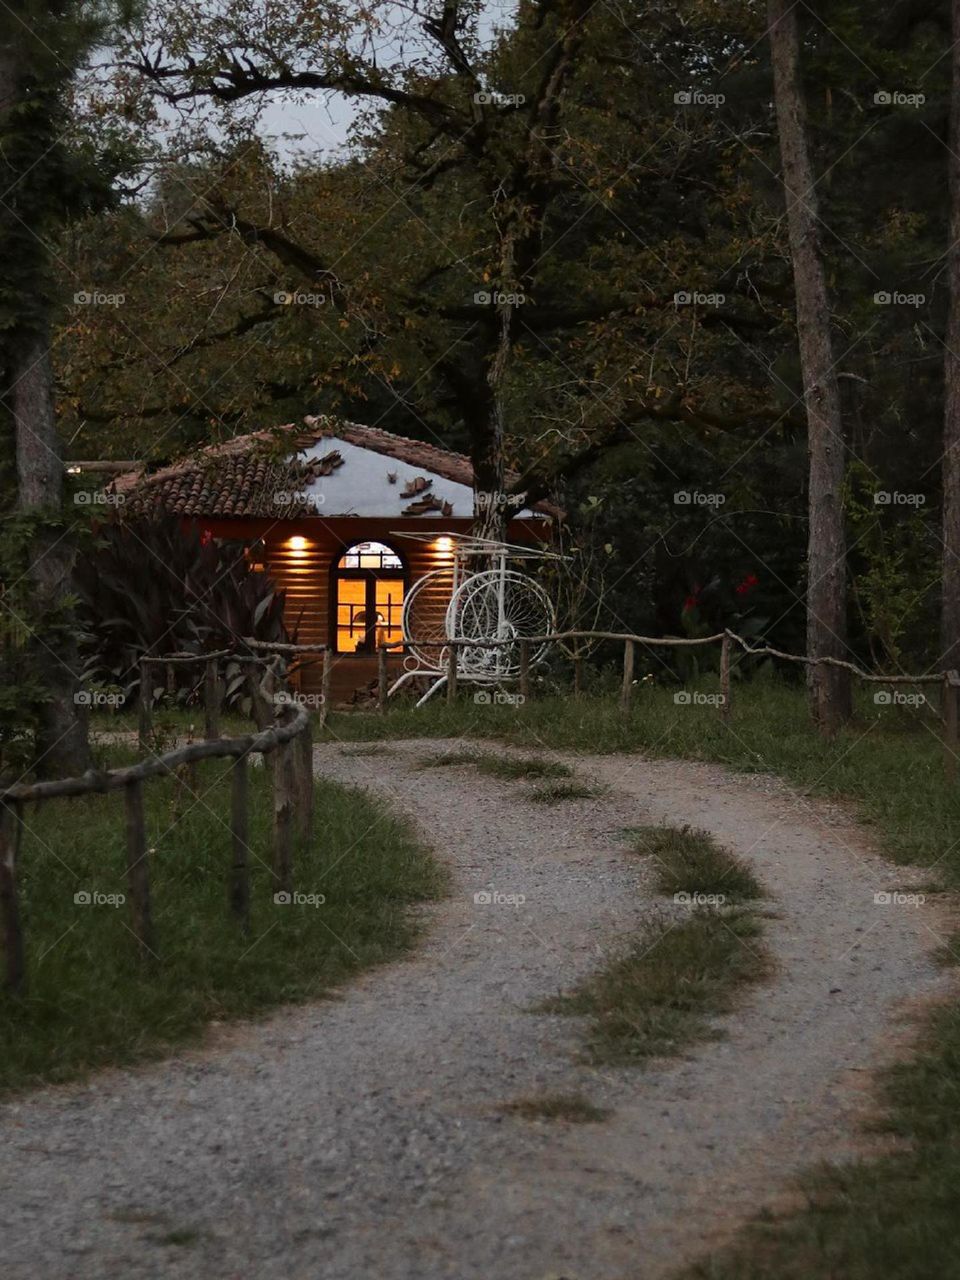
{"x": 297, "y": 543}
{"x": 444, "y": 545}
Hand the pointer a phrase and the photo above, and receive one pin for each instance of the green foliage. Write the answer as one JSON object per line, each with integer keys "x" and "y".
{"x": 154, "y": 587}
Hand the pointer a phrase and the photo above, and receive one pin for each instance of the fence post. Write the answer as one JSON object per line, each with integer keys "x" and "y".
{"x": 577, "y": 675}
{"x": 171, "y": 681}
{"x": 525, "y": 670}
{"x": 725, "y": 676}
{"x": 325, "y": 686}
{"x": 239, "y": 832}
{"x": 138, "y": 871}
{"x": 951, "y": 723}
{"x": 145, "y": 705}
{"x": 9, "y": 903}
{"x": 626, "y": 691}
{"x": 382, "y": 680}
{"x": 452, "y": 671}
{"x": 283, "y": 818}
{"x": 211, "y": 700}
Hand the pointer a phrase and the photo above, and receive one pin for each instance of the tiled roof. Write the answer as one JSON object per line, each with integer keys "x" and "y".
{"x": 261, "y": 474}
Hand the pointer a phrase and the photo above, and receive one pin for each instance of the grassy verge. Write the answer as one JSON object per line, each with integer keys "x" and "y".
{"x": 91, "y": 1003}
{"x": 572, "y": 1107}
{"x": 662, "y": 995}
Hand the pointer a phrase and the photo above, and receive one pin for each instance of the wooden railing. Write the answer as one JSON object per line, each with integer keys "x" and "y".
{"x": 290, "y": 737}
{"x": 948, "y": 681}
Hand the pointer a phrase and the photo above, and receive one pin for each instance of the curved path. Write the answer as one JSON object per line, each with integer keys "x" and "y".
{"x": 362, "y": 1138}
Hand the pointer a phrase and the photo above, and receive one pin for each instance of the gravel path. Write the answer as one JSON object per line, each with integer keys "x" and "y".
{"x": 361, "y": 1138}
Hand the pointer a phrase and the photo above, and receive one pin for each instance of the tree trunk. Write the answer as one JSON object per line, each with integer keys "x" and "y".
{"x": 61, "y": 746}
{"x": 950, "y": 605}
{"x": 826, "y": 545}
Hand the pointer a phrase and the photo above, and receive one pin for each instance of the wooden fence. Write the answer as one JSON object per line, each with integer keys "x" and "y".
{"x": 289, "y": 736}
{"x": 729, "y": 642}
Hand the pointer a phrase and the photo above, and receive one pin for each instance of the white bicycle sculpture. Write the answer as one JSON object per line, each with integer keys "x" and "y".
{"x": 488, "y": 600}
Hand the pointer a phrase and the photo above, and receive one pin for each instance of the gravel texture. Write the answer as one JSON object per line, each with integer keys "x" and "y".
{"x": 361, "y": 1137}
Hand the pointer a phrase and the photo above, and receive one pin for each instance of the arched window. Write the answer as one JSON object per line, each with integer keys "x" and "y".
{"x": 368, "y": 597}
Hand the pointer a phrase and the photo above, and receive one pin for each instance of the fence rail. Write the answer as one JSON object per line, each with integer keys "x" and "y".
{"x": 948, "y": 681}
{"x": 289, "y": 739}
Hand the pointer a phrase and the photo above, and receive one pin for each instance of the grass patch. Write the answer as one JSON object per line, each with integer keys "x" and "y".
{"x": 691, "y": 861}
{"x": 90, "y": 1002}
{"x": 573, "y": 1107}
{"x": 658, "y": 998}
{"x": 514, "y": 768}
{"x": 557, "y": 792}
{"x": 510, "y": 768}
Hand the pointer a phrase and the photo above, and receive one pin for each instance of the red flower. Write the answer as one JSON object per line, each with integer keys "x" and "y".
{"x": 746, "y": 586}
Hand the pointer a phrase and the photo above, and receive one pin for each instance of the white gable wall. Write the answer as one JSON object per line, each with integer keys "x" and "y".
{"x": 360, "y": 486}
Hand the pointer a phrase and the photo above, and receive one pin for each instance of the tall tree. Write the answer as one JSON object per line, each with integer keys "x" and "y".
{"x": 45, "y": 180}
{"x": 950, "y": 606}
{"x": 826, "y": 545}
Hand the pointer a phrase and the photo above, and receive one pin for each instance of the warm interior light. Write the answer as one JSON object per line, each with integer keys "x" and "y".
{"x": 297, "y": 543}
{"x": 444, "y": 544}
